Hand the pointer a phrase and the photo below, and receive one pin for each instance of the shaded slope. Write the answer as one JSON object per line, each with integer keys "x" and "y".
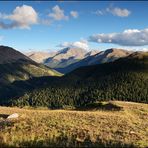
{"x": 14, "y": 66}
{"x": 8, "y": 54}
{"x": 124, "y": 79}
{"x": 136, "y": 62}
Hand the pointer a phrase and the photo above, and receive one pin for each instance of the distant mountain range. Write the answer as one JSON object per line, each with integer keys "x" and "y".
{"x": 69, "y": 59}
{"x": 61, "y": 59}
{"x": 39, "y": 56}
{"x": 114, "y": 74}
{"x": 106, "y": 56}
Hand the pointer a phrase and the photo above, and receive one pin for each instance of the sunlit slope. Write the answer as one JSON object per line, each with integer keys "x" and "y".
{"x": 23, "y": 70}
{"x": 98, "y": 126}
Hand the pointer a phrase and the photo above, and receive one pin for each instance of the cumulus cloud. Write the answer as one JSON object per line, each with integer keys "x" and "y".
{"x": 119, "y": 12}
{"x": 74, "y": 14}
{"x": 116, "y": 11}
{"x": 130, "y": 37}
{"x": 58, "y": 14}
{"x": 83, "y": 44}
{"x": 21, "y": 17}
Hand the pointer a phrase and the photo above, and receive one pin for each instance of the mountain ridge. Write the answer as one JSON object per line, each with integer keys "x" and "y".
{"x": 68, "y": 59}
{"x": 16, "y": 66}
{"x": 61, "y": 58}
{"x": 9, "y": 54}
{"x": 108, "y": 55}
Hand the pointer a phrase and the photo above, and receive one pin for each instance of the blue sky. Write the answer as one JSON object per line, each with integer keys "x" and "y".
{"x": 49, "y": 26}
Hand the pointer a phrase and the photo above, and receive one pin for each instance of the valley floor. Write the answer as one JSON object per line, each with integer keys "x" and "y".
{"x": 117, "y": 124}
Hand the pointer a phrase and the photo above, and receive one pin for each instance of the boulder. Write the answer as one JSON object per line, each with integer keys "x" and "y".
{"x": 13, "y": 116}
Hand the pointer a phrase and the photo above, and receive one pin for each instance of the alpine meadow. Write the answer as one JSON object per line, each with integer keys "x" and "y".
{"x": 73, "y": 74}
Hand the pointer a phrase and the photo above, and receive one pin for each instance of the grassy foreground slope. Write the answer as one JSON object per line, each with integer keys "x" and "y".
{"x": 114, "y": 124}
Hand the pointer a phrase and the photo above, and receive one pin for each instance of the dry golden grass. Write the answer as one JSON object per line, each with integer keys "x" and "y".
{"x": 103, "y": 127}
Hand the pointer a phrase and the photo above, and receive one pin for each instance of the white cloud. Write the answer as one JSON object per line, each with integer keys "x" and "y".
{"x": 119, "y": 12}
{"x": 130, "y": 37}
{"x": 74, "y": 14}
{"x": 144, "y": 49}
{"x": 83, "y": 44}
{"x": 98, "y": 12}
{"x": 116, "y": 11}
{"x": 21, "y": 17}
{"x": 58, "y": 14}
{"x": 24, "y": 16}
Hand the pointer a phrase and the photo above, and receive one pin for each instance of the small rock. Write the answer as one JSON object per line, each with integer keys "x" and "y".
{"x": 13, "y": 116}
{"x": 132, "y": 132}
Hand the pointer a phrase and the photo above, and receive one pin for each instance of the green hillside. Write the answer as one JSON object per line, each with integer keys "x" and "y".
{"x": 19, "y": 72}
{"x": 16, "y": 67}
{"x": 125, "y": 79}
{"x": 23, "y": 70}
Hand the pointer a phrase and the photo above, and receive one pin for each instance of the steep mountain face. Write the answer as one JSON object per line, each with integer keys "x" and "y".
{"x": 65, "y": 57}
{"x": 101, "y": 57}
{"x": 16, "y": 66}
{"x": 92, "y": 52}
{"x": 123, "y": 79}
{"x": 40, "y": 57}
{"x": 108, "y": 55}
